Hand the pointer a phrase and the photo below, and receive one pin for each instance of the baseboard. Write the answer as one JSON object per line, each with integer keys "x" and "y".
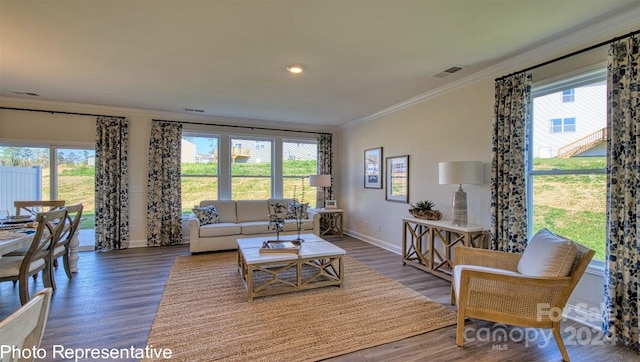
{"x": 588, "y": 317}
{"x": 373, "y": 241}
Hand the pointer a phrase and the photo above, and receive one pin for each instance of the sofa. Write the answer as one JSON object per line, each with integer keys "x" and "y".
{"x": 237, "y": 219}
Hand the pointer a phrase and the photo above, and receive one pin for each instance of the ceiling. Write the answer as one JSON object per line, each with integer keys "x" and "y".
{"x": 228, "y": 57}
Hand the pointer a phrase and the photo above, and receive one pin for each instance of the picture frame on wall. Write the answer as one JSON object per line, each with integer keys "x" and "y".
{"x": 373, "y": 168}
{"x": 397, "y": 179}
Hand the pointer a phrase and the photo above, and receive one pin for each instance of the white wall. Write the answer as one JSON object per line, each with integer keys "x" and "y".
{"x": 451, "y": 127}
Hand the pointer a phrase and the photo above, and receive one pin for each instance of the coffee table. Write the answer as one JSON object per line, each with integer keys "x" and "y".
{"x": 318, "y": 264}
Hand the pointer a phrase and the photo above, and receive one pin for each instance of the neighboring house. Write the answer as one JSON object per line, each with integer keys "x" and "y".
{"x": 188, "y": 152}
{"x": 562, "y": 118}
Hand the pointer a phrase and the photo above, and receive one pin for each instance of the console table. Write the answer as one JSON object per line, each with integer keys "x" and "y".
{"x": 429, "y": 245}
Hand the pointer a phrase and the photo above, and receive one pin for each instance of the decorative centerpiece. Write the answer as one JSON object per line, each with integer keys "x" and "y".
{"x": 424, "y": 210}
{"x": 276, "y": 222}
{"x": 298, "y": 209}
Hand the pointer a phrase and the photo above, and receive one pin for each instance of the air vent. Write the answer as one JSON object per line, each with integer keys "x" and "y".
{"x": 30, "y": 94}
{"x": 194, "y": 110}
{"x": 449, "y": 71}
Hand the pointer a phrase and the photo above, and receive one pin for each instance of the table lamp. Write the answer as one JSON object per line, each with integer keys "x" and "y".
{"x": 320, "y": 181}
{"x": 460, "y": 172}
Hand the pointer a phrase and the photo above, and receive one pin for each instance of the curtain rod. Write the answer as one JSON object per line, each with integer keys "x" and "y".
{"x": 59, "y": 112}
{"x": 247, "y": 127}
{"x": 571, "y": 54}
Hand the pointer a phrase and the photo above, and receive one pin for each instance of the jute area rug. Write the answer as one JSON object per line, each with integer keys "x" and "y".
{"x": 204, "y": 315}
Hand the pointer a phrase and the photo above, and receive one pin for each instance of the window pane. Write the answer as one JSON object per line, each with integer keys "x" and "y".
{"x": 250, "y": 168}
{"x": 76, "y": 181}
{"x": 573, "y": 206}
{"x": 299, "y": 160}
{"x": 556, "y": 132}
{"x": 25, "y": 174}
{"x": 199, "y": 168}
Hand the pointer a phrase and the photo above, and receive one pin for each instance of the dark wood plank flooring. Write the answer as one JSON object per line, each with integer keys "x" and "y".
{"x": 112, "y": 301}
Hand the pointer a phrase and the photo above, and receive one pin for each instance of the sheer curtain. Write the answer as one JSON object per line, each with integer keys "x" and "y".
{"x": 510, "y": 136}
{"x": 164, "y": 201}
{"x": 623, "y": 186}
{"x": 112, "y": 183}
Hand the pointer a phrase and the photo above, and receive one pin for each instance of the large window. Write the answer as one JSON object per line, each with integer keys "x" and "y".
{"x": 199, "y": 164}
{"x": 566, "y": 179}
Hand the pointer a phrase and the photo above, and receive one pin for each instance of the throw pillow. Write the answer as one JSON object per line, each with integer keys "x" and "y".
{"x": 548, "y": 255}
{"x": 292, "y": 212}
{"x": 207, "y": 215}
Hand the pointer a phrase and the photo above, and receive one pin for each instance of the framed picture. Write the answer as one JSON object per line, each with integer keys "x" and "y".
{"x": 373, "y": 168}
{"x": 398, "y": 179}
{"x": 330, "y": 204}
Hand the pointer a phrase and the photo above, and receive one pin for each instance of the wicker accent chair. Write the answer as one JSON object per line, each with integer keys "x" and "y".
{"x": 497, "y": 292}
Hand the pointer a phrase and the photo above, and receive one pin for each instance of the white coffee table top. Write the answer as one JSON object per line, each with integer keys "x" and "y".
{"x": 311, "y": 247}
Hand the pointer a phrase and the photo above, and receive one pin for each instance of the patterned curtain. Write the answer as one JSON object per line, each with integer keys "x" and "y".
{"x": 112, "y": 183}
{"x": 623, "y": 187}
{"x": 325, "y": 161}
{"x": 164, "y": 202}
{"x": 510, "y": 137}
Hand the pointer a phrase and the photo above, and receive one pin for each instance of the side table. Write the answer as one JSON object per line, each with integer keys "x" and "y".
{"x": 328, "y": 222}
{"x": 429, "y": 245}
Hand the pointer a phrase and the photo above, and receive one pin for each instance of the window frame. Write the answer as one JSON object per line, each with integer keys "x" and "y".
{"x": 576, "y": 79}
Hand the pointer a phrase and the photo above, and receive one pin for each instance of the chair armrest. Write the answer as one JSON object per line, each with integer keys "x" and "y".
{"x": 315, "y": 217}
{"x": 488, "y": 258}
{"x": 519, "y": 296}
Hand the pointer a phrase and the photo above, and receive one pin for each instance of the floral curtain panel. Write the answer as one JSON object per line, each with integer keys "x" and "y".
{"x": 510, "y": 135}
{"x": 325, "y": 161}
{"x": 112, "y": 183}
{"x": 164, "y": 202}
{"x": 623, "y": 187}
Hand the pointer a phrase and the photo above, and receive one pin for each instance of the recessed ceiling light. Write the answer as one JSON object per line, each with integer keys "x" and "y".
{"x": 295, "y": 69}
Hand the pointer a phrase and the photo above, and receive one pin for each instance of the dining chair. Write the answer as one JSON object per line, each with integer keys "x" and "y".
{"x": 23, "y": 329}
{"x": 38, "y": 257}
{"x": 61, "y": 247}
{"x": 34, "y": 207}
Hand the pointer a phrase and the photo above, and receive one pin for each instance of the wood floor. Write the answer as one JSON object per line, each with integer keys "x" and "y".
{"x": 112, "y": 301}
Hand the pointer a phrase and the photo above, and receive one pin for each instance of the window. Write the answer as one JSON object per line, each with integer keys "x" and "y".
{"x": 566, "y": 175}
{"x": 199, "y": 165}
{"x": 559, "y": 125}
{"x": 568, "y": 95}
{"x": 299, "y": 160}
{"x": 251, "y": 169}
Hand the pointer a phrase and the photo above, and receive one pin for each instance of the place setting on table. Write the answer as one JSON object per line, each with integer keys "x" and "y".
{"x": 14, "y": 230}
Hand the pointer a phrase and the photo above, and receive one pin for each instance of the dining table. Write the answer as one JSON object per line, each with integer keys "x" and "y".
{"x": 15, "y": 233}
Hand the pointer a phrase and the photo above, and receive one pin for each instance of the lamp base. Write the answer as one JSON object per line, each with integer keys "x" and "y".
{"x": 459, "y": 209}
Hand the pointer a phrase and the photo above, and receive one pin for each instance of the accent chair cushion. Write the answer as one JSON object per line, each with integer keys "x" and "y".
{"x": 548, "y": 255}
{"x": 206, "y": 215}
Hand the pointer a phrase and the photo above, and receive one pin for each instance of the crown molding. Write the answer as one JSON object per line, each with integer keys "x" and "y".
{"x": 612, "y": 27}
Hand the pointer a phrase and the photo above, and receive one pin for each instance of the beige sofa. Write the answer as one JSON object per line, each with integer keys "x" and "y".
{"x": 238, "y": 219}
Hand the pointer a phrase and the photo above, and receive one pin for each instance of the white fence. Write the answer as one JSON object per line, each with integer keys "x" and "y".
{"x": 19, "y": 183}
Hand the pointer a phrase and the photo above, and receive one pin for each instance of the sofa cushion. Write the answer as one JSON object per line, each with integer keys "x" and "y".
{"x": 284, "y": 202}
{"x": 206, "y": 215}
{"x": 226, "y": 209}
{"x": 252, "y": 210}
{"x": 548, "y": 255}
{"x": 292, "y": 212}
{"x": 220, "y": 229}
{"x": 255, "y": 227}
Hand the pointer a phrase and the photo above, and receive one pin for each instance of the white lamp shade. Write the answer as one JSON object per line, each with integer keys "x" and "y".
{"x": 320, "y": 180}
{"x": 461, "y": 172}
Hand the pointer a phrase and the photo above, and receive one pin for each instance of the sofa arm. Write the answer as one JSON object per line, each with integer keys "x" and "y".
{"x": 315, "y": 217}
{"x": 194, "y": 233}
